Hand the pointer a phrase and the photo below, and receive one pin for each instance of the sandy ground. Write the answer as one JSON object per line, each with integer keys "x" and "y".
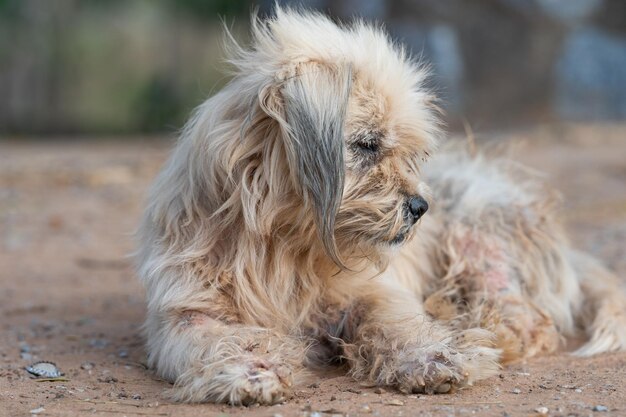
{"x": 68, "y": 293}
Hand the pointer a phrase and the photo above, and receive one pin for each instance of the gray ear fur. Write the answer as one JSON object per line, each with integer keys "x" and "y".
{"x": 315, "y": 102}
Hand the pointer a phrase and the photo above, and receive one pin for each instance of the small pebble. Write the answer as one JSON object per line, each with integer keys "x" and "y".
{"x": 516, "y": 391}
{"x": 366, "y": 409}
{"x": 87, "y": 365}
{"x": 98, "y": 343}
{"x": 123, "y": 353}
{"x": 136, "y": 397}
{"x": 108, "y": 379}
{"x": 600, "y": 408}
{"x": 277, "y": 415}
{"x": 578, "y": 390}
{"x": 542, "y": 410}
{"x": 37, "y": 410}
{"x": 394, "y": 402}
{"x": 315, "y": 414}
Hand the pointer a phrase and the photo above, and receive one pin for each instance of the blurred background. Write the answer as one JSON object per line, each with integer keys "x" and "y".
{"x": 93, "y": 92}
{"x": 102, "y": 67}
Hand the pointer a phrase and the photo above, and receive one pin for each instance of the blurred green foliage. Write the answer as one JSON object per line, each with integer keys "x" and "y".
{"x": 9, "y": 7}
{"x": 156, "y": 103}
{"x": 110, "y": 66}
{"x": 197, "y": 9}
{"x": 203, "y": 9}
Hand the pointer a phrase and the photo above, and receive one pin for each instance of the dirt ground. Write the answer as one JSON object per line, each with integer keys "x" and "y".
{"x": 68, "y": 293}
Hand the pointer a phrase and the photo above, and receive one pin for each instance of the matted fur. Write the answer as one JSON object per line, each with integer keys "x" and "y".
{"x": 279, "y": 237}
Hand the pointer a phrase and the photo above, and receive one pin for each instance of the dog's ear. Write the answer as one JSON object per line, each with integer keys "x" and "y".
{"x": 314, "y": 105}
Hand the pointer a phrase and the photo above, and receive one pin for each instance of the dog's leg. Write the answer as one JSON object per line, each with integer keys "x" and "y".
{"x": 602, "y": 312}
{"x": 522, "y": 329}
{"x": 209, "y": 360}
{"x": 391, "y": 343}
{"x": 483, "y": 285}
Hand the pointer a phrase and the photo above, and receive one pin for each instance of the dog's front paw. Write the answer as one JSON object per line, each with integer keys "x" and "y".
{"x": 241, "y": 380}
{"x": 262, "y": 382}
{"x": 443, "y": 367}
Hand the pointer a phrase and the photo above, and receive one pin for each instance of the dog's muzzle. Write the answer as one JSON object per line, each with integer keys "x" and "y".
{"x": 416, "y": 207}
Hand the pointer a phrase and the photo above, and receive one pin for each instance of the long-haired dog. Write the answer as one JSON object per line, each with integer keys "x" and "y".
{"x": 289, "y": 230}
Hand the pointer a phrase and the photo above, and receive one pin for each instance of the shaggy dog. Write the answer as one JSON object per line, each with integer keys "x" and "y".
{"x": 289, "y": 231}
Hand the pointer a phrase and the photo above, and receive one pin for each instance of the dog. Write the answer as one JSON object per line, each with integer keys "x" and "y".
{"x": 307, "y": 219}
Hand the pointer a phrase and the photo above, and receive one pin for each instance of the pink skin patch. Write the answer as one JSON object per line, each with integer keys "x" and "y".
{"x": 497, "y": 278}
{"x": 485, "y": 256}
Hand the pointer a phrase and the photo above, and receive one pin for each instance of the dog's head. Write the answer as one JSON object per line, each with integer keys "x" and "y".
{"x": 342, "y": 113}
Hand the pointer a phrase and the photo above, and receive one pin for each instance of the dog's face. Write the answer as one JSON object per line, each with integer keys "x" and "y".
{"x": 383, "y": 195}
{"x": 358, "y": 151}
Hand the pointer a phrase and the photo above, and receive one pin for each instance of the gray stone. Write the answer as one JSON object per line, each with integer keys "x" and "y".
{"x": 591, "y": 76}
{"x": 569, "y": 10}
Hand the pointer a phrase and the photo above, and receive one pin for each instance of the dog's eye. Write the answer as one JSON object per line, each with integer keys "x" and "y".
{"x": 370, "y": 146}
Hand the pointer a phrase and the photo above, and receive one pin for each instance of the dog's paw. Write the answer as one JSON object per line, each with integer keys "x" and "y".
{"x": 443, "y": 367}
{"x": 263, "y": 382}
{"x": 239, "y": 381}
{"x": 436, "y": 373}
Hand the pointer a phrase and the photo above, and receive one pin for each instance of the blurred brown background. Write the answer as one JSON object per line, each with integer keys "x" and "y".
{"x": 88, "y": 87}
{"x": 109, "y": 67}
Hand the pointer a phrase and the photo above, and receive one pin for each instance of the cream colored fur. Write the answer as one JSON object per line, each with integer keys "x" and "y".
{"x": 277, "y": 239}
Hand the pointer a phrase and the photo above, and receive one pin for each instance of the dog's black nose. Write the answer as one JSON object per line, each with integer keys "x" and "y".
{"x": 417, "y": 207}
